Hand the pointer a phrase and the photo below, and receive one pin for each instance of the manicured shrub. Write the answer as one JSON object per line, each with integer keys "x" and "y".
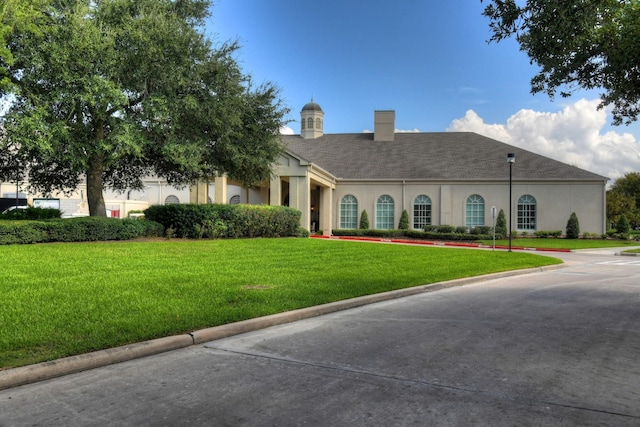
{"x": 482, "y": 229}
{"x": 404, "y": 221}
{"x": 22, "y": 232}
{"x": 573, "y": 227}
{"x": 225, "y": 221}
{"x": 413, "y": 234}
{"x": 441, "y": 229}
{"x": 501, "y": 224}
{"x": 543, "y": 234}
{"x": 623, "y": 226}
{"x": 31, "y": 213}
{"x": 76, "y": 230}
{"x": 364, "y": 221}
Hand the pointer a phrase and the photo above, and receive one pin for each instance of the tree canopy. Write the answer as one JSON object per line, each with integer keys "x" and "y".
{"x": 623, "y": 198}
{"x": 112, "y": 91}
{"x": 590, "y": 44}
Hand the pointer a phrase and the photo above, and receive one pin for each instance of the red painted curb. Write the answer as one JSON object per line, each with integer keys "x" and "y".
{"x": 436, "y": 243}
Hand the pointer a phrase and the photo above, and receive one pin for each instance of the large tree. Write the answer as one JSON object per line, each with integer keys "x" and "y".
{"x": 112, "y": 91}
{"x": 590, "y": 44}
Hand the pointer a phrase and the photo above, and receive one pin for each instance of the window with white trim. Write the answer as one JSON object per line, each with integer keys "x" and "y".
{"x": 474, "y": 211}
{"x": 384, "y": 213}
{"x": 349, "y": 212}
{"x": 526, "y": 213}
{"x": 421, "y": 212}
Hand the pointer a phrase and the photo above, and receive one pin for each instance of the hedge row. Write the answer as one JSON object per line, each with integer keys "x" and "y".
{"x": 413, "y": 234}
{"x": 76, "y": 230}
{"x": 226, "y": 221}
{"x": 31, "y": 213}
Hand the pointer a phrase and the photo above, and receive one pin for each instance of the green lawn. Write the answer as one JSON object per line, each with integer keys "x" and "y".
{"x": 63, "y": 299}
{"x": 564, "y": 243}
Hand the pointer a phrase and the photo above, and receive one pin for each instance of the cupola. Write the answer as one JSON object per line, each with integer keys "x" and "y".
{"x": 311, "y": 120}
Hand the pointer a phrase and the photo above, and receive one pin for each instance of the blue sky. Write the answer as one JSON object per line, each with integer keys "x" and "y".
{"x": 427, "y": 60}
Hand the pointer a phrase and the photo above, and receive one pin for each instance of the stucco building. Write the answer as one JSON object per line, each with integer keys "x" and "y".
{"x": 447, "y": 178}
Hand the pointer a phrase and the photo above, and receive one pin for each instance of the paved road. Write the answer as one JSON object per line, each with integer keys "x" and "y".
{"x": 559, "y": 348}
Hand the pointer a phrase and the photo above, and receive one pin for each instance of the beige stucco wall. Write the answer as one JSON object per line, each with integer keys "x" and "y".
{"x": 555, "y": 201}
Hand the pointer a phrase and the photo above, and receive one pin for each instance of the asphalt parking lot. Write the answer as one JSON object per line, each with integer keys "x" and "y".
{"x": 557, "y": 347}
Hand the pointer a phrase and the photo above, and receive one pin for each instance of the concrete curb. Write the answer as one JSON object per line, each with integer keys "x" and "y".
{"x": 56, "y": 368}
{"x": 627, "y": 253}
{"x": 82, "y": 362}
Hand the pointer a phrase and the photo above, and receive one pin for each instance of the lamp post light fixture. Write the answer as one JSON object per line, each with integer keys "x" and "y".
{"x": 511, "y": 159}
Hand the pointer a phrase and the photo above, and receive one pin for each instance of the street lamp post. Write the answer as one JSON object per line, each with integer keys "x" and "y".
{"x": 511, "y": 159}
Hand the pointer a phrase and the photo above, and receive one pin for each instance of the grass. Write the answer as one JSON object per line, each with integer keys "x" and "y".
{"x": 564, "y": 243}
{"x": 58, "y": 300}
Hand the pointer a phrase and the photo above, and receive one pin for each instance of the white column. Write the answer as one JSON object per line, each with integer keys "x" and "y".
{"x": 275, "y": 187}
{"x": 299, "y": 187}
{"x": 220, "y": 193}
{"x": 326, "y": 210}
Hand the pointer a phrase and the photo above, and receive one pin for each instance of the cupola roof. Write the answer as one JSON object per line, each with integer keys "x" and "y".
{"x": 312, "y": 106}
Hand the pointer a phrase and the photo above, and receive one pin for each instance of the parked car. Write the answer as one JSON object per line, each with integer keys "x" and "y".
{"x": 11, "y": 208}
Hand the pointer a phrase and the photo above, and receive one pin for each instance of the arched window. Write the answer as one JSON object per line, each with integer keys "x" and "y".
{"x": 318, "y": 123}
{"x": 302, "y": 123}
{"x": 235, "y": 200}
{"x": 349, "y": 212}
{"x": 171, "y": 200}
{"x": 384, "y": 213}
{"x": 309, "y": 123}
{"x": 421, "y": 212}
{"x": 475, "y": 211}
{"x": 526, "y": 213}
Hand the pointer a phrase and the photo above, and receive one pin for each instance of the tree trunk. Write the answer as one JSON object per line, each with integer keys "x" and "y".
{"x": 94, "y": 187}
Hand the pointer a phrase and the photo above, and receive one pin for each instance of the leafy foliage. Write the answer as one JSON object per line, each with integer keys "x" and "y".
{"x": 233, "y": 221}
{"x": 622, "y": 226}
{"x": 501, "y": 224}
{"x": 573, "y": 227}
{"x": 364, "y": 220}
{"x": 76, "y": 230}
{"x": 118, "y": 90}
{"x": 31, "y": 213}
{"x": 577, "y": 44}
{"x": 404, "y": 221}
{"x": 624, "y": 199}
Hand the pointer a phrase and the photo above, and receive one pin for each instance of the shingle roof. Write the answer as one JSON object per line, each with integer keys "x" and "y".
{"x": 428, "y": 156}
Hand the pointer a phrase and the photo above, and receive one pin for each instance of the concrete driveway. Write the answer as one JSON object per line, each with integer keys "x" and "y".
{"x": 559, "y": 347}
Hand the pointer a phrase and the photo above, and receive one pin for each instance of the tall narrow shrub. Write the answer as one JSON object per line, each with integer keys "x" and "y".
{"x": 623, "y": 226}
{"x": 404, "y": 221}
{"x": 364, "y": 221}
{"x": 573, "y": 227}
{"x": 501, "y": 224}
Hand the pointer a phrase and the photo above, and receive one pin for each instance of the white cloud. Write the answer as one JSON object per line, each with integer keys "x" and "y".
{"x": 573, "y": 136}
{"x": 286, "y": 130}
